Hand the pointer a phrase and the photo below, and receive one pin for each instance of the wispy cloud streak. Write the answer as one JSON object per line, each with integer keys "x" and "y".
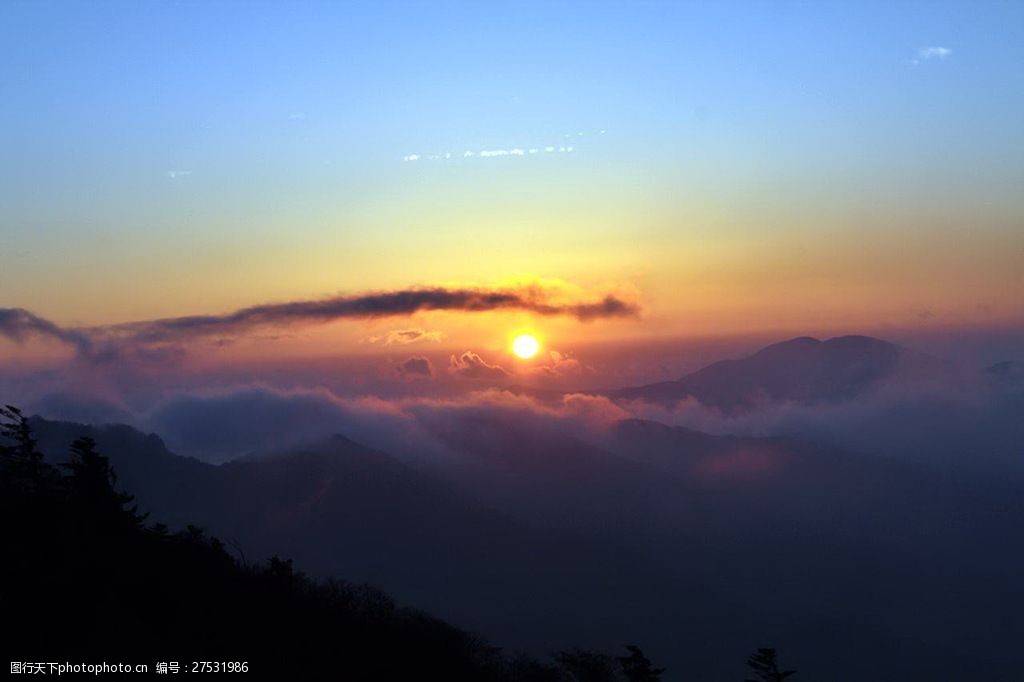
{"x": 373, "y": 305}
{"x": 502, "y": 152}
{"x": 402, "y": 337}
{"x": 18, "y": 324}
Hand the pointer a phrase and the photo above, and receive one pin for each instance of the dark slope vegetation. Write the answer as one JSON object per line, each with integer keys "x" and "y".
{"x": 341, "y": 509}
{"x": 91, "y": 579}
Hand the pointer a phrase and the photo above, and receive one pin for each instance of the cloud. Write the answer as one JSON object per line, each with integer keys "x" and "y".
{"x": 77, "y": 406}
{"x": 216, "y": 425}
{"x": 530, "y": 298}
{"x": 18, "y": 324}
{"x": 958, "y": 419}
{"x": 401, "y": 337}
{"x": 175, "y": 174}
{"x": 560, "y": 365}
{"x": 971, "y": 424}
{"x": 926, "y": 53}
{"x": 502, "y": 152}
{"x": 415, "y": 367}
{"x": 595, "y": 411}
{"x": 168, "y": 335}
{"x": 934, "y": 52}
{"x": 472, "y": 366}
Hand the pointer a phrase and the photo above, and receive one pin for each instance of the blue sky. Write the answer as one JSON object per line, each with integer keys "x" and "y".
{"x": 145, "y": 136}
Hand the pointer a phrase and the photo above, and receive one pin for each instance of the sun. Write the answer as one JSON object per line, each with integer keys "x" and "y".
{"x": 525, "y": 346}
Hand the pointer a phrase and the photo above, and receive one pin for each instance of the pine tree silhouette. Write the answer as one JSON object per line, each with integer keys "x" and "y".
{"x": 587, "y": 666}
{"x": 17, "y": 430}
{"x": 92, "y": 486}
{"x": 637, "y": 667}
{"x": 22, "y": 462}
{"x": 766, "y": 668}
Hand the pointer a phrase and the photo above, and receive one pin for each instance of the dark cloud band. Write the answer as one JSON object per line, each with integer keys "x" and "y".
{"x": 380, "y": 304}
{"x": 17, "y": 324}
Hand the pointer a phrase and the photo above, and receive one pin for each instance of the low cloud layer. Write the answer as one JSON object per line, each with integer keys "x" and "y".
{"x": 472, "y": 366}
{"x": 221, "y": 424}
{"x": 974, "y": 424}
{"x": 559, "y": 365}
{"x": 415, "y": 367}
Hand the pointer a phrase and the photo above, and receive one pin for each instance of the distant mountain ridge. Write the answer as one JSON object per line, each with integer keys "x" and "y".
{"x": 282, "y": 501}
{"x": 651, "y": 531}
{"x": 802, "y": 370}
{"x": 340, "y": 508}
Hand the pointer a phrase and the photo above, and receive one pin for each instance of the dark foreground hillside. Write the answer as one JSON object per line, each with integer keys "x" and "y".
{"x": 88, "y": 579}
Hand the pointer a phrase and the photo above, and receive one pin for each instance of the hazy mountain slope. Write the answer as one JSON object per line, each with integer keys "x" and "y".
{"x": 802, "y": 370}
{"x": 818, "y": 545}
{"x": 341, "y": 509}
{"x": 700, "y": 547}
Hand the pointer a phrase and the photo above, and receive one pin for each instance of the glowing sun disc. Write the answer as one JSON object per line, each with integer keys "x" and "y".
{"x": 525, "y": 346}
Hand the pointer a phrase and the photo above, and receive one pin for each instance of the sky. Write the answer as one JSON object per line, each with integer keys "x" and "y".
{"x": 719, "y": 168}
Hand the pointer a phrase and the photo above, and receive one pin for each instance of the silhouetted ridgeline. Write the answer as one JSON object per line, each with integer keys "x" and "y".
{"x": 803, "y": 370}
{"x": 87, "y": 578}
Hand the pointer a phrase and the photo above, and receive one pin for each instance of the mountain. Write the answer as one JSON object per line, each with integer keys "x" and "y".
{"x": 339, "y": 508}
{"x": 802, "y": 370}
{"x": 93, "y": 580}
{"x": 697, "y": 546}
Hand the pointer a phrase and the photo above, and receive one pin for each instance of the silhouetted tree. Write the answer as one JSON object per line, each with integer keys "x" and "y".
{"x": 637, "y": 667}
{"x": 92, "y": 486}
{"x": 15, "y": 428}
{"x": 195, "y": 533}
{"x": 766, "y": 668}
{"x": 587, "y": 666}
{"x": 22, "y": 462}
{"x": 281, "y": 569}
{"x": 531, "y": 670}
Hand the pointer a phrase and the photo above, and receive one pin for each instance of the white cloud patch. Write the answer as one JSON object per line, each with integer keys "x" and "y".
{"x": 175, "y": 174}
{"x": 502, "y": 152}
{"x": 925, "y": 54}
